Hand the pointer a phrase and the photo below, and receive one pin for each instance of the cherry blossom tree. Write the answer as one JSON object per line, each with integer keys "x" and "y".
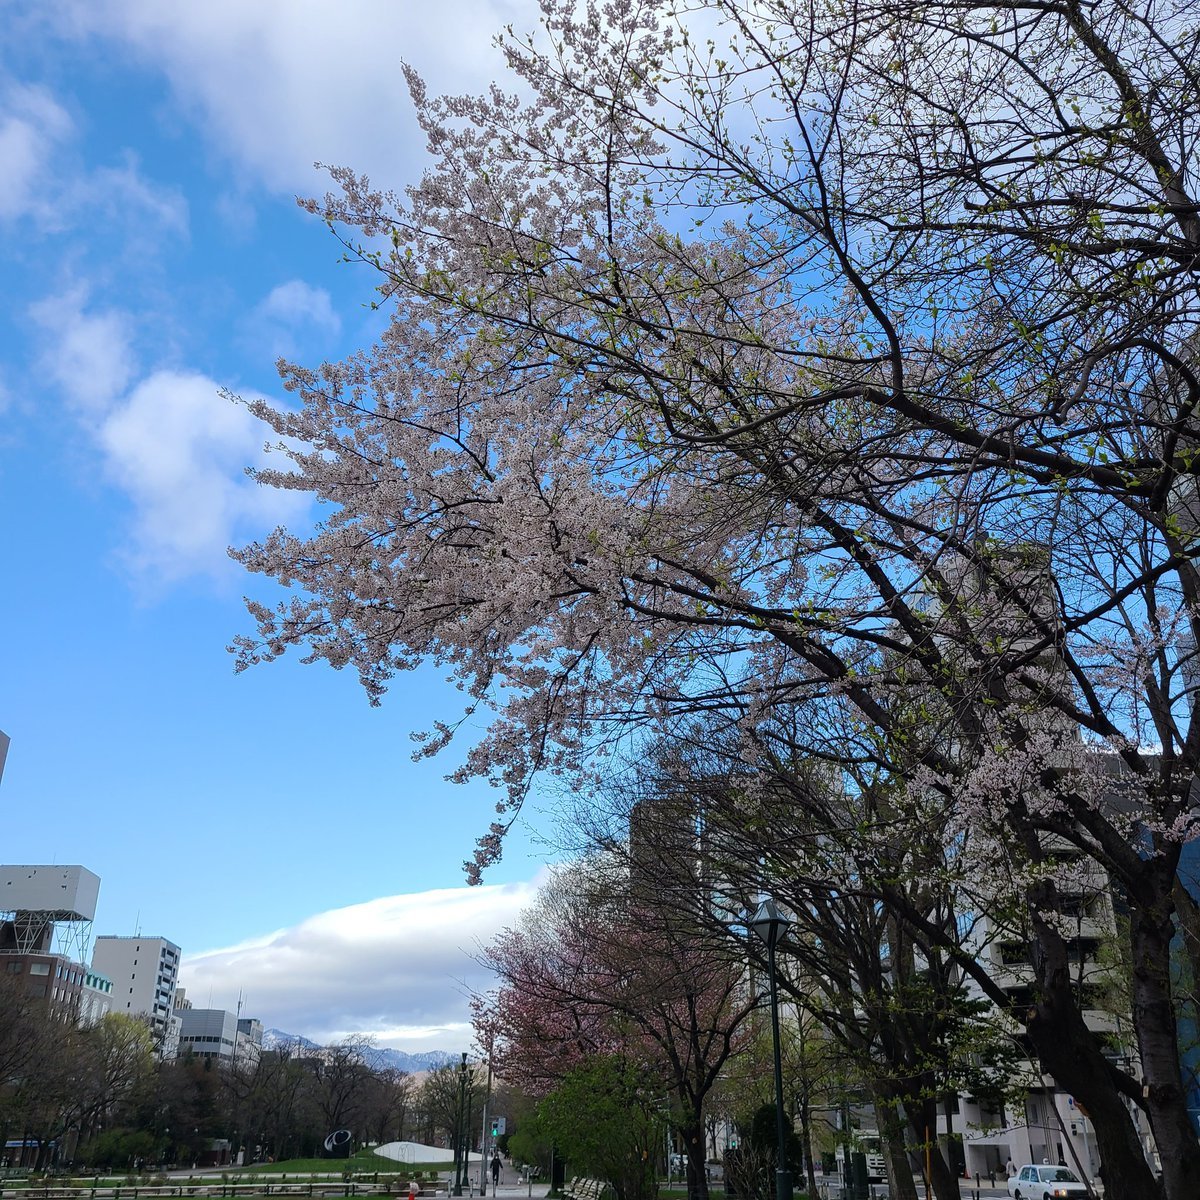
{"x": 597, "y": 971}
{"x": 826, "y": 361}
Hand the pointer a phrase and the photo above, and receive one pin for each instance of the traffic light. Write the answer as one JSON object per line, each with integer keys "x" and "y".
{"x": 495, "y": 1127}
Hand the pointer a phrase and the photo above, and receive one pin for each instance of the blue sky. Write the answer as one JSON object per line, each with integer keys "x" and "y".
{"x": 153, "y": 254}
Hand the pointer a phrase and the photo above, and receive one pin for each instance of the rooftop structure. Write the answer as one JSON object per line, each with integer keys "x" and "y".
{"x": 36, "y": 902}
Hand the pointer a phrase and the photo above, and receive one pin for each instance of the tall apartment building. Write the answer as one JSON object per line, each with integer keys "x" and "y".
{"x": 1049, "y": 1126}
{"x": 143, "y": 971}
{"x": 1007, "y": 592}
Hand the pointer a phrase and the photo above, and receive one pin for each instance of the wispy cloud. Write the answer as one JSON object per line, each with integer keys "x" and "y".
{"x": 43, "y": 178}
{"x": 292, "y": 314}
{"x": 87, "y": 352}
{"x": 124, "y": 193}
{"x": 32, "y": 126}
{"x": 400, "y": 967}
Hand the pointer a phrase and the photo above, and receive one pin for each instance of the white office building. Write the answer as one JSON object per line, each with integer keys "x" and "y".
{"x": 143, "y": 971}
{"x": 208, "y": 1032}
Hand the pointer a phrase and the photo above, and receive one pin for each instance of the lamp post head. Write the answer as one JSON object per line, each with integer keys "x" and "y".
{"x": 769, "y": 924}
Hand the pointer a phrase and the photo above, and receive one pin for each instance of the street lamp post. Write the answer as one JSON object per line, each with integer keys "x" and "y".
{"x": 483, "y": 1127}
{"x": 457, "y": 1131}
{"x": 462, "y": 1159}
{"x": 769, "y": 925}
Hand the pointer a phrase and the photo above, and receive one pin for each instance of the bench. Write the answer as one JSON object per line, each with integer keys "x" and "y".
{"x": 585, "y": 1189}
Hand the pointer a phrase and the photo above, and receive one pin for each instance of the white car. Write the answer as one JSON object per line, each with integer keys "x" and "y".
{"x": 1045, "y": 1183}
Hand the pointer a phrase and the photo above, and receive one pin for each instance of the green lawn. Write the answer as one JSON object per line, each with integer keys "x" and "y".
{"x": 364, "y": 1162}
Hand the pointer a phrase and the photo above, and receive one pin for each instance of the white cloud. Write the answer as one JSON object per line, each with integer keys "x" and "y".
{"x": 32, "y": 126}
{"x": 292, "y": 311}
{"x": 400, "y": 967}
{"x": 279, "y": 84}
{"x": 297, "y": 303}
{"x": 171, "y": 441}
{"x": 177, "y": 448}
{"x": 87, "y": 354}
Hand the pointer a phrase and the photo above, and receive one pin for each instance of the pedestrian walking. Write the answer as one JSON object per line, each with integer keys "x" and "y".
{"x": 495, "y": 1169}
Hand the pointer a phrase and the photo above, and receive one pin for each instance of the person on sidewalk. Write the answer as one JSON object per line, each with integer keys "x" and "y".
{"x": 495, "y": 1170}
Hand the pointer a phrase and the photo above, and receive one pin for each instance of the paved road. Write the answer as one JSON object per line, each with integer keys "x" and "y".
{"x": 832, "y": 1190}
{"x": 967, "y": 1189}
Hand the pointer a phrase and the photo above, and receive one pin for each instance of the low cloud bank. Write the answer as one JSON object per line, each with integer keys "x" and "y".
{"x": 401, "y": 968}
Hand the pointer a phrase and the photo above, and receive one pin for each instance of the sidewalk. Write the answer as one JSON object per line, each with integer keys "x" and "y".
{"x": 514, "y": 1191}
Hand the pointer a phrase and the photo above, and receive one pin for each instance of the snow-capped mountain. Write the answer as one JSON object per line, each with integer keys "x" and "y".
{"x": 377, "y": 1057}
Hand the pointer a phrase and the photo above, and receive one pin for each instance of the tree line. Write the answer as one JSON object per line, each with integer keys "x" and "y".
{"x": 101, "y": 1097}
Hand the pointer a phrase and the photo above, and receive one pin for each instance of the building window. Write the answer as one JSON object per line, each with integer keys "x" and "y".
{"x": 14, "y": 968}
{"x": 39, "y": 969}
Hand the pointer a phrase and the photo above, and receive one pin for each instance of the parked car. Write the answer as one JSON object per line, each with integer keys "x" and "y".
{"x": 1045, "y": 1183}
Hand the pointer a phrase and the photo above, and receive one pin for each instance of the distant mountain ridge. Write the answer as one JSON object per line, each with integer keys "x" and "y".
{"x": 377, "y": 1058}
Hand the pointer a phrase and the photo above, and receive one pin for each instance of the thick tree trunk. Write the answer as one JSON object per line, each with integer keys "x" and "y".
{"x": 901, "y": 1184}
{"x": 1070, "y": 1052}
{"x": 941, "y": 1178}
{"x": 1158, "y": 1046}
{"x": 697, "y": 1161}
